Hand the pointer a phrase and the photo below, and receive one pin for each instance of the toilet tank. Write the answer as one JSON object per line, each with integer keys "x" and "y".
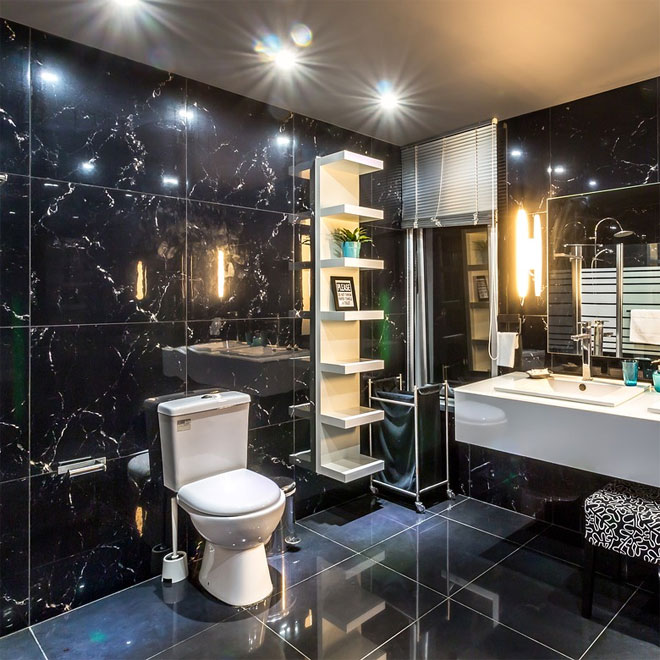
{"x": 203, "y": 435}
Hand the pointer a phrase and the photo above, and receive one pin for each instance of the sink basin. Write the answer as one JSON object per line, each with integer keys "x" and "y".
{"x": 568, "y": 388}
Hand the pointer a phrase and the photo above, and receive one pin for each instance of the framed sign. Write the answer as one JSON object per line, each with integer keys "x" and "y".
{"x": 343, "y": 292}
{"x": 481, "y": 287}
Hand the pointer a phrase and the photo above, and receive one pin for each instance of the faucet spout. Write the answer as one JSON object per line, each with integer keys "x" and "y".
{"x": 584, "y": 338}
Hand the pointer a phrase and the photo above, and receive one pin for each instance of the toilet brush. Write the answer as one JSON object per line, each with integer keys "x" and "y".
{"x": 175, "y": 564}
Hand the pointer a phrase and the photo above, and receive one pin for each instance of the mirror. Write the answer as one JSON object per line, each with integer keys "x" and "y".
{"x": 604, "y": 265}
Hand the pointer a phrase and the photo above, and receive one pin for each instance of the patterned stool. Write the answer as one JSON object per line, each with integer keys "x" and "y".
{"x": 624, "y": 518}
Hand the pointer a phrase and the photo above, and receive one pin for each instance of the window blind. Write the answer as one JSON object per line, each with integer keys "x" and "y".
{"x": 451, "y": 181}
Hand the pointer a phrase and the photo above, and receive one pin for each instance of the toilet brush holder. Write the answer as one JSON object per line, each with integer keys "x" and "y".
{"x": 175, "y": 567}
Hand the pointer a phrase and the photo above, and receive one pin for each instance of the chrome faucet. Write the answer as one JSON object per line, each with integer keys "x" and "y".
{"x": 584, "y": 337}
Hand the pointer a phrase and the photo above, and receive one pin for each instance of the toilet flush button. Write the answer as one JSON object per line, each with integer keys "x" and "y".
{"x": 210, "y": 396}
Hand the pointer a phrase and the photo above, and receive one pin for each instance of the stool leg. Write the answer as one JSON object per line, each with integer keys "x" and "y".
{"x": 588, "y": 579}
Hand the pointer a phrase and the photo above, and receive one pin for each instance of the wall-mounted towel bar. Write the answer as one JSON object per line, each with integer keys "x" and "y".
{"x": 78, "y": 467}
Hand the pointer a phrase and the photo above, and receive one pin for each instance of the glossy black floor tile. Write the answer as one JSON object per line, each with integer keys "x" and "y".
{"x": 314, "y": 554}
{"x": 348, "y": 610}
{"x": 441, "y": 554}
{"x": 541, "y": 597}
{"x": 446, "y": 505}
{"x": 20, "y": 646}
{"x": 502, "y": 522}
{"x": 452, "y": 631}
{"x": 134, "y": 623}
{"x": 243, "y": 636}
{"x": 360, "y": 523}
{"x": 634, "y": 634}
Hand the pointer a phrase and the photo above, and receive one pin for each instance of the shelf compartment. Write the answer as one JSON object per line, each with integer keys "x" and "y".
{"x": 352, "y": 212}
{"x": 349, "y": 262}
{"x": 357, "y": 367}
{"x": 358, "y": 315}
{"x": 301, "y": 411}
{"x": 351, "y": 162}
{"x": 349, "y": 466}
{"x": 351, "y": 418}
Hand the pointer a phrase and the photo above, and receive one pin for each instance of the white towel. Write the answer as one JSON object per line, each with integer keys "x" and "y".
{"x": 645, "y": 326}
{"x": 507, "y": 343}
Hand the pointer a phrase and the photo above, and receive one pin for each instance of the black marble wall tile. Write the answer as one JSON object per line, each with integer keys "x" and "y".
{"x": 240, "y": 151}
{"x": 385, "y": 190}
{"x": 101, "y": 255}
{"x": 257, "y": 247}
{"x": 15, "y": 251}
{"x": 91, "y": 383}
{"x": 609, "y": 138}
{"x": 102, "y": 119}
{"x": 14, "y": 97}
{"x": 14, "y": 545}
{"x": 14, "y": 412}
{"x": 269, "y": 448}
{"x": 89, "y": 512}
{"x": 317, "y": 138}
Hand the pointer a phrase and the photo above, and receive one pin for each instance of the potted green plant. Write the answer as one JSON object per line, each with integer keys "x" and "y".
{"x": 351, "y": 241}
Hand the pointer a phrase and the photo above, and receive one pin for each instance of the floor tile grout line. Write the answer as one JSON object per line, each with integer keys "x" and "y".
{"x": 609, "y": 623}
{"x": 199, "y": 632}
{"x": 412, "y": 623}
{"x": 309, "y": 577}
{"x": 37, "y": 643}
{"x": 92, "y": 602}
{"x": 490, "y": 568}
{"x": 278, "y": 634}
{"x": 504, "y": 625}
{"x": 502, "y": 508}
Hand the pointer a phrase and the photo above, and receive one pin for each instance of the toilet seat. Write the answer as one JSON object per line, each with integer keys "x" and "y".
{"x": 234, "y": 493}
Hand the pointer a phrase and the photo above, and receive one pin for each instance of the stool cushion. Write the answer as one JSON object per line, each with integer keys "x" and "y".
{"x": 625, "y": 518}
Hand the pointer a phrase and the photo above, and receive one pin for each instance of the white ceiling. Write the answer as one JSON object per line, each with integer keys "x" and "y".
{"x": 452, "y": 62}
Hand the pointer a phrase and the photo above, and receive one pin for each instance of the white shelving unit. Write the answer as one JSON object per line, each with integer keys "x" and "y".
{"x": 338, "y": 413}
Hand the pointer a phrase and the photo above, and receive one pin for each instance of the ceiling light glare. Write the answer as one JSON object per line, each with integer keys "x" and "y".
{"x": 560, "y": 169}
{"x": 126, "y": 4}
{"x": 301, "y": 35}
{"x": 516, "y": 153}
{"x": 170, "y": 181}
{"x": 283, "y": 140}
{"x": 49, "y": 76}
{"x": 285, "y": 59}
{"x": 87, "y": 166}
{"x": 593, "y": 183}
{"x": 387, "y": 98}
{"x": 185, "y": 113}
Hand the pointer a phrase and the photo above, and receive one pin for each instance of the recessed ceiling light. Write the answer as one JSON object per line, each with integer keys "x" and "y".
{"x": 283, "y": 140}
{"x": 285, "y": 59}
{"x": 560, "y": 169}
{"x": 170, "y": 180}
{"x": 593, "y": 183}
{"x": 389, "y": 100}
{"x": 127, "y": 3}
{"x": 49, "y": 76}
{"x": 516, "y": 153}
{"x": 87, "y": 166}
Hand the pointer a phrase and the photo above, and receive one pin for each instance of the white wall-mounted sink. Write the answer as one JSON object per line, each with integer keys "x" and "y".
{"x": 572, "y": 388}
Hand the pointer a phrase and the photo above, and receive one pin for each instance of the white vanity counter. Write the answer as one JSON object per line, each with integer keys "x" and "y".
{"x": 620, "y": 441}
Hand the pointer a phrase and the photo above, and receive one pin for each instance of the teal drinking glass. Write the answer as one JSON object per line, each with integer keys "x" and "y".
{"x": 656, "y": 381}
{"x": 630, "y": 372}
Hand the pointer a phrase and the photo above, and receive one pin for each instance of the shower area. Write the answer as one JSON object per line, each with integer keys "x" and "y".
{"x": 450, "y": 217}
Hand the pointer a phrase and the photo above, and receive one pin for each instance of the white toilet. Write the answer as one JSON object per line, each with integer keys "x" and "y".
{"x": 204, "y": 441}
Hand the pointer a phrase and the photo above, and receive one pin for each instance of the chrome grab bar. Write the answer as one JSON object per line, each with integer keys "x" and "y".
{"x": 78, "y": 467}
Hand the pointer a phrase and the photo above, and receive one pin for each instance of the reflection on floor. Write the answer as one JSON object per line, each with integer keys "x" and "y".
{"x": 375, "y": 580}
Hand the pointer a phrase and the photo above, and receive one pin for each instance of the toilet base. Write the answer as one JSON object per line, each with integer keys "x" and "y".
{"x": 236, "y": 577}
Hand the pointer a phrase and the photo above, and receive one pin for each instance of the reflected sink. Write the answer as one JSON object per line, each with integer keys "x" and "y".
{"x": 572, "y": 388}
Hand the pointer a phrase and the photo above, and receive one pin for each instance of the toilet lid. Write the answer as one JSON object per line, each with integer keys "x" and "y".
{"x": 232, "y": 493}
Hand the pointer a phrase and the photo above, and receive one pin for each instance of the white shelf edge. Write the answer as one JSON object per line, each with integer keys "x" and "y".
{"x": 357, "y": 367}
{"x": 349, "y": 262}
{"x": 350, "y": 467}
{"x": 357, "y": 315}
{"x": 352, "y": 418}
{"x": 349, "y": 161}
{"x": 352, "y": 212}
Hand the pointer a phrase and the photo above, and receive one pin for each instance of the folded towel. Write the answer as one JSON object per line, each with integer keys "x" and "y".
{"x": 645, "y": 326}
{"x": 507, "y": 343}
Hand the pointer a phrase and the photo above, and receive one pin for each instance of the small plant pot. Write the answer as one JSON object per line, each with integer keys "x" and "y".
{"x": 351, "y": 250}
